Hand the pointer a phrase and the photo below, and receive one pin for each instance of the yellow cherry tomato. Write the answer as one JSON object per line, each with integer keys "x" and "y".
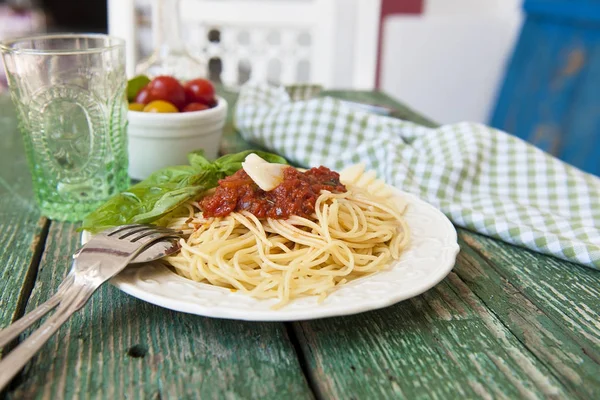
{"x": 136, "y": 106}
{"x": 160, "y": 106}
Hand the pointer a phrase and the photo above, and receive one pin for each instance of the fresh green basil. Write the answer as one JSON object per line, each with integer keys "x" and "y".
{"x": 166, "y": 189}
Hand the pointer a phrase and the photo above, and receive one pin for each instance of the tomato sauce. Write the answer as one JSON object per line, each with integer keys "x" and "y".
{"x": 296, "y": 195}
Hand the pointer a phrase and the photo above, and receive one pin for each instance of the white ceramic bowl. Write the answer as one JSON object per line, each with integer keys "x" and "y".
{"x": 158, "y": 140}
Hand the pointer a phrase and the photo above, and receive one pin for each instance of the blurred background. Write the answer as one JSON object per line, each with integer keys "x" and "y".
{"x": 469, "y": 40}
{"x": 524, "y": 66}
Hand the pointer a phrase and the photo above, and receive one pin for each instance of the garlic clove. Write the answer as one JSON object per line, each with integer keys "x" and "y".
{"x": 265, "y": 174}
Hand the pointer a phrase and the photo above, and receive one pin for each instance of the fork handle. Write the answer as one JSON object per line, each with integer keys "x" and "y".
{"x": 12, "y": 331}
{"x": 12, "y": 363}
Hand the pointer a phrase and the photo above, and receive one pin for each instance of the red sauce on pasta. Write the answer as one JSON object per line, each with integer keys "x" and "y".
{"x": 296, "y": 195}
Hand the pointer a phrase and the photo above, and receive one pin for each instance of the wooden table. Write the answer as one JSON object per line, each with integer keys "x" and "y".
{"x": 506, "y": 323}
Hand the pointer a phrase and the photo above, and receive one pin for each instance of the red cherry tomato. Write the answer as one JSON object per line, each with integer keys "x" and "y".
{"x": 143, "y": 96}
{"x": 200, "y": 91}
{"x": 195, "y": 107}
{"x": 168, "y": 89}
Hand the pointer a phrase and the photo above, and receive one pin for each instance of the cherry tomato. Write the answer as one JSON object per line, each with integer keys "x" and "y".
{"x": 136, "y": 106}
{"x": 200, "y": 91}
{"x": 195, "y": 107}
{"x": 160, "y": 106}
{"x": 143, "y": 96}
{"x": 168, "y": 89}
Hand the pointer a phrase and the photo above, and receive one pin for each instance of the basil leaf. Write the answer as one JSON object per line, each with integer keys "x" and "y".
{"x": 197, "y": 159}
{"x": 231, "y": 163}
{"x": 166, "y": 189}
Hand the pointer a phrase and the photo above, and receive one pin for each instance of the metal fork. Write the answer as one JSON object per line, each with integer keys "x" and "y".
{"x": 103, "y": 257}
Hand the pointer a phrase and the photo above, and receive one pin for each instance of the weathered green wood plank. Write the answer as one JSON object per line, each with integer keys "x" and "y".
{"x": 424, "y": 346}
{"x": 21, "y": 227}
{"x": 120, "y": 347}
{"x": 573, "y": 360}
{"x": 443, "y": 344}
{"x": 568, "y": 294}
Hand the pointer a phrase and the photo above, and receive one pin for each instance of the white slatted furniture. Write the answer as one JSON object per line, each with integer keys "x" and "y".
{"x": 330, "y": 42}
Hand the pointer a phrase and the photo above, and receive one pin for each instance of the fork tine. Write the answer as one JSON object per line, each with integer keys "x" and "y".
{"x": 121, "y": 228}
{"x": 152, "y": 228}
{"x": 135, "y": 229}
{"x": 148, "y": 229}
{"x": 145, "y": 238}
{"x": 167, "y": 230}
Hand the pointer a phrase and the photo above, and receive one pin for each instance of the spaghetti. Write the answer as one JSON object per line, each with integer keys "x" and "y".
{"x": 351, "y": 234}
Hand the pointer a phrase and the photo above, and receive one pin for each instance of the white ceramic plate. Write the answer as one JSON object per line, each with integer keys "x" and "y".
{"x": 429, "y": 258}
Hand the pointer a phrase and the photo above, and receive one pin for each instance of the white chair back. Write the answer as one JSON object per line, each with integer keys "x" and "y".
{"x": 329, "y": 42}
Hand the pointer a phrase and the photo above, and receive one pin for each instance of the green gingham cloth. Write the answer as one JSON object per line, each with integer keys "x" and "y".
{"x": 482, "y": 179}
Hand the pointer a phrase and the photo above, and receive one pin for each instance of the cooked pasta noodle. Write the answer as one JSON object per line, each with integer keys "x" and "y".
{"x": 351, "y": 234}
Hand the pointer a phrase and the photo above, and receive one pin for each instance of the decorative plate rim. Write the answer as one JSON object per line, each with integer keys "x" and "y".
{"x": 149, "y": 282}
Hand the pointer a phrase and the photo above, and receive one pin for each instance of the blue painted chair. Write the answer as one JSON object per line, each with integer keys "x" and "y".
{"x": 551, "y": 93}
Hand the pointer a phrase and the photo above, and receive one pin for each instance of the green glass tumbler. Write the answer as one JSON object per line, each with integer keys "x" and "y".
{"x": 69, "y": 92}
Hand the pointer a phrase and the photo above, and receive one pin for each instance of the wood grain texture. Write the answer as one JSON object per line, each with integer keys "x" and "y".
{"x": 21, "y": 226}
{"x": 120, "y": 347}
{"x": 554, "y": 313}
{"x": 569, "y": 294}
{"x": 442, "y": 344}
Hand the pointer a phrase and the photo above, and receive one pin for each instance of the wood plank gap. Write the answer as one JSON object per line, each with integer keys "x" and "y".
{"x": 28, "y": 284}
{"x": 590, "y": 352}
{"x": 32, "y": 271}
{"x": 303, "y": 361}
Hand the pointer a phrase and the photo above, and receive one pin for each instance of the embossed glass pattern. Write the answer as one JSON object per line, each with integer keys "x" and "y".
{"x": 69, "y": 91}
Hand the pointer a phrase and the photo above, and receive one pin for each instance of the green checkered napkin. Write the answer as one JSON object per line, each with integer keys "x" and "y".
{"x": 481, "y": 178}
